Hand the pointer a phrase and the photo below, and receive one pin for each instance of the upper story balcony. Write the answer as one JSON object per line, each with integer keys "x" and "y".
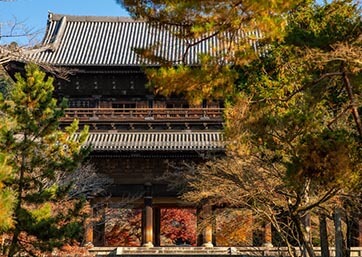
{"x": 146, "y": 118}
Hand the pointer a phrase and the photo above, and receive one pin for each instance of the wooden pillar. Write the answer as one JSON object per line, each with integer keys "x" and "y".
{"x": 267, "y": 235}
{"x": 88, "y": 227}
{"x": 207, "y": 232}
{"x": 147, "y": 229}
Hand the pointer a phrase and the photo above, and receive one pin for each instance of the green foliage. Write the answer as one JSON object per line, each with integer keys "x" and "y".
{"x": 325, "y": 25}
{"x": 200, "y": 17}
{"x": 326, "y": 158}
{"x": 214, "y": 77}
{"x": 209, "y": 82}
{"x": 294, "y": 146}
{"x": 293, "y": 114}
{"x": 42, "y": 212}
{"x": 7, "y": 199}
{"x": 295, "y": 111}
{"x": 38, "y": 151}
{"x": 4, "y": 85}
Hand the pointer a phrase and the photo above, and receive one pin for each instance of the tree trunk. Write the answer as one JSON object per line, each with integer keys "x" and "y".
{"x": 14, "y": 243}
{"x": 349, "y": 236}
{"x": 15, "y": 240}
{"x": 323, "y": 234}
{"x": 306, "y": 231}
{"x": 354, "y": 109}
{"x": 303, "y": 235}
{"x": 338, "y": 233}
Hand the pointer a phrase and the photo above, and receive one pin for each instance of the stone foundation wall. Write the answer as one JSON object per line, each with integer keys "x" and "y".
{"x": 205, "y": 251}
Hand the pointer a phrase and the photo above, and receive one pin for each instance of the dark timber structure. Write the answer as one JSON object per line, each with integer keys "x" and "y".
{"x": 135, "y": 134}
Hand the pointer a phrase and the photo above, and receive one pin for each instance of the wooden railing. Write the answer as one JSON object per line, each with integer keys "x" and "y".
{"x": 137, "y": 114}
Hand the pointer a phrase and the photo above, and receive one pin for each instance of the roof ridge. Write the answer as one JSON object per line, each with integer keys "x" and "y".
{"x": 91, "y": 18}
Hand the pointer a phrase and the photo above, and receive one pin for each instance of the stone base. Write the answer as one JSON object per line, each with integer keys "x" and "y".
{"x": 206, "y": 251}
{"x": 208, "y": 244}
{"x": 148, "y": 244}
{"x": 88, "y": 245}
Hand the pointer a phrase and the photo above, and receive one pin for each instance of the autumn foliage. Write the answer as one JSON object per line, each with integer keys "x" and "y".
{"x": 123, "y": 227}
{"x": 178, "y": 226}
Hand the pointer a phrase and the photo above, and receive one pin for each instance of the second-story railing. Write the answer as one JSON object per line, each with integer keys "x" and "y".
{"x": 143, "y": 114}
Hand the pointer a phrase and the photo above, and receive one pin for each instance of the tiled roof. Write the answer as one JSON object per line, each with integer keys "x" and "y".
{"x": 91, "y": 40}
{"x": 156, "y": 141}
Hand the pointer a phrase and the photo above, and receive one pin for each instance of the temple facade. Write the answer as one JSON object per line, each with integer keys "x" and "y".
{"x": 137, "y": 137}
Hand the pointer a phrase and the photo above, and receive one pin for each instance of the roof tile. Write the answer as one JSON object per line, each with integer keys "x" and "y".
{"x": 91, "y": 40}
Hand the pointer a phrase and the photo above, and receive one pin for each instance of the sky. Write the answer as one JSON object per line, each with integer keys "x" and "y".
{"x": 30, "y": 16}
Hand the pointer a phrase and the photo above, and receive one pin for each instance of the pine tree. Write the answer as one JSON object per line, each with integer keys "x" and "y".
{"x": 37, "y": 150}
{"x": 7, "y": 200}
{"x": 294, "y": 147}
{"x": 234, "y": 23}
